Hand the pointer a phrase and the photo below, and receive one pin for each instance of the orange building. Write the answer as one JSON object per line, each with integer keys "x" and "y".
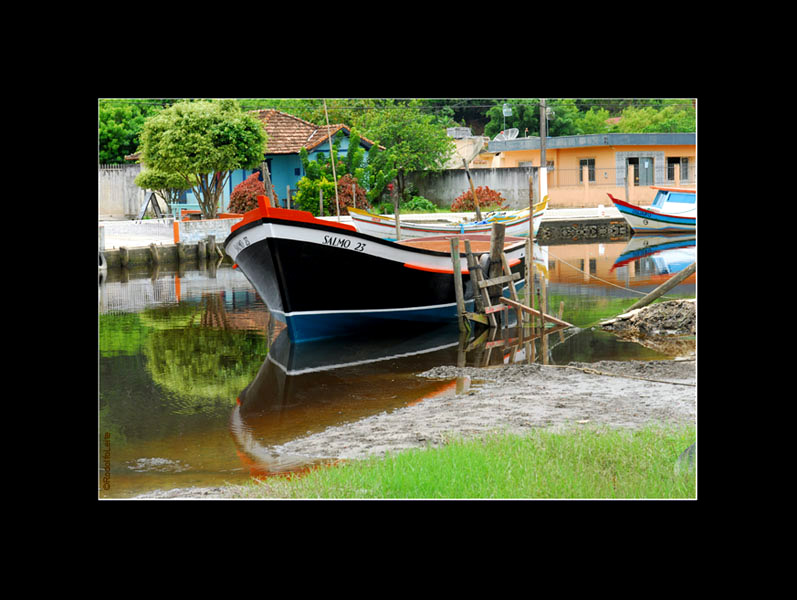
{"x": 582, "y": 169}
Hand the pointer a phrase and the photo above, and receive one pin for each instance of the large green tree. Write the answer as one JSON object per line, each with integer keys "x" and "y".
{"x": 411, "y": 138}
{"x": 203, "y": 142}
{"x": 120, "y": 121}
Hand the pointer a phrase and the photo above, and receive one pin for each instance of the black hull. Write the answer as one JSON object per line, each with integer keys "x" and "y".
{"x": 326, "y": 280}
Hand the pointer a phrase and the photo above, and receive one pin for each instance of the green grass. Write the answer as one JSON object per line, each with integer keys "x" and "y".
{"x": 584, "y": 463}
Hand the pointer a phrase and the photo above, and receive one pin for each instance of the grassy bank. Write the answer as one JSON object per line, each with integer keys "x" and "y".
{"x": 582, "y": 463}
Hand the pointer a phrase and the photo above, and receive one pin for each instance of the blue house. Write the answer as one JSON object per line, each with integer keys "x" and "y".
{"x": 286, "y": 136}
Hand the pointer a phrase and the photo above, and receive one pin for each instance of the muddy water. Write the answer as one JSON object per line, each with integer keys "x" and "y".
{"x": 198, "y": 386}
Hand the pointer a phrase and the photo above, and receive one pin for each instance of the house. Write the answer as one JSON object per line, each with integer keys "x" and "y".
{"x": 286, "y": 135}
{"x": 583, "y": 168}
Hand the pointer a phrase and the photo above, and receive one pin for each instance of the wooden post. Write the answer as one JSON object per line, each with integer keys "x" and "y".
{"x": 181, "y": 258}
{"x": 455, "y": 261}
{"x": 124, "y": 256}
{"x": 473, "y": 191}
{"x": 496, "y": 249}
{"x": 201, "y": 251}
{"x": 212, "y": 246}
{"x": 472, "y": 266}
{"x": 664, "y": 287}
{"x": 332, "y": 158}
{"x": 544, "y": 299}
{"x": 267, "y": 180}
{"x": 153, "y": 250}
{"x": 394, "y": 193}
{"x": 288, "y": 197}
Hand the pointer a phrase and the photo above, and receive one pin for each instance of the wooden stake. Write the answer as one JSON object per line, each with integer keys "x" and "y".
{"x": 473, "y": 191}
{"x": 515, "y": 304}
{"x": 332, "y": 158}
{"x": 153, "y": 250}
{"x": 496, "y": 250}
{"x": 664, "y": 287}
{"x": 472, "y": 266}
{"x": 458, "y": 283}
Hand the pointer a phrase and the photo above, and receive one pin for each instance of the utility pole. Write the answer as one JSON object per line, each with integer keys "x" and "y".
{"x": 543, "y": 162}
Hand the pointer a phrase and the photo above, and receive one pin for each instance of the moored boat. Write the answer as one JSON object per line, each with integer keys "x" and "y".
{"x": 516, "y": 222}
{"x": 326, "y": 279}
{"x": 673, "y": 209}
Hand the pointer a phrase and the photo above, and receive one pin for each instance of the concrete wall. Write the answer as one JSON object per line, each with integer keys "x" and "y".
{"x": 190, "y": 232}
{"x": 119, "y": 196}
{"x": 444, "y": 187}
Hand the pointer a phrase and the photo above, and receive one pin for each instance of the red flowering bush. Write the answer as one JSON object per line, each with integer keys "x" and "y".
{"x": 345, "y": 195}
{"x": 244, "y": 195}
{"x": 487, "y": 198}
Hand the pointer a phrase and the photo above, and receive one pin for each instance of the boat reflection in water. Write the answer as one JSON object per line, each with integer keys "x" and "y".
{"x": 305, "y": 388}
{"x": 658, "y": 254}
{"x": 308, "y": 387}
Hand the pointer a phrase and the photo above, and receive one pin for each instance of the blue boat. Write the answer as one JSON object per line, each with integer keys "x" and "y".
{"x": 673, "y": 209}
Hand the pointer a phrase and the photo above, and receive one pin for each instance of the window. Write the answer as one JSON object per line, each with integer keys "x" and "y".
{"x": 586, "y": 162}
{"x": 683, "y": 161}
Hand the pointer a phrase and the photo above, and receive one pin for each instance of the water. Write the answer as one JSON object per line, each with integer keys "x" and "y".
{"x": 199, "y": 387}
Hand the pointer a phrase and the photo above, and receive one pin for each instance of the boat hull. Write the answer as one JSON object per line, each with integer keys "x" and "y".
{"x": 326, "y": 279}
{"x": 644, "y": 220}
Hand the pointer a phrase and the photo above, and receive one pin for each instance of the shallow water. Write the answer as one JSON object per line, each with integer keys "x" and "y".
{"x": 198, "y": 386}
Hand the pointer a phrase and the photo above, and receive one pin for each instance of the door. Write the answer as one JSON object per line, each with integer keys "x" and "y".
{"x": 643, "y": 170}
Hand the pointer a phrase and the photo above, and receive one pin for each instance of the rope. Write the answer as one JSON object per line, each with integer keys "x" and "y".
{"x": 596, "y": 372}
{"x": 603, "y": 280}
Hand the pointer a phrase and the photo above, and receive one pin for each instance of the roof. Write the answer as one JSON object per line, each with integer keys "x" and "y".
{"x": 288, "y": 134}
{"x": 596, "y": 139}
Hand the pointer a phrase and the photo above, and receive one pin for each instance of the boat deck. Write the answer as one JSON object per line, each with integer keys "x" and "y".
{"x": 478, "y": 242}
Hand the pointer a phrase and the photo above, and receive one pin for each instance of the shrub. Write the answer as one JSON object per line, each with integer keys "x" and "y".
{"x": 244, "y": 195}
{"x": 419, "y": 204}
{"x": 307, "y": 195}
{"x": 486, "y": 196}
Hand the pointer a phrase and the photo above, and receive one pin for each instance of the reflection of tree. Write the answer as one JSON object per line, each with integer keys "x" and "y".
{"x": 204, "y": 361}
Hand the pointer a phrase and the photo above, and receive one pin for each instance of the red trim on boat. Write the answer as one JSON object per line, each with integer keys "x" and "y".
{"x": 451, "y": 270}
{"x": 264, "y": 210}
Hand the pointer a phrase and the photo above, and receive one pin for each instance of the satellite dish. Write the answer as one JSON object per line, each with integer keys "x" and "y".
{"x": 500, "y": 137}
{"x": 511, "y": 134}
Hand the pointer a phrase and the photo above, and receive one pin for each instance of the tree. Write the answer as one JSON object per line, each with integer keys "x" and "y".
{"x": 203, "y": 142}
{"x": 412, "y": 140}
{"x": 352, "y": 168}
{"x": 120, "y": 122}
{"x": 167, "y": 186}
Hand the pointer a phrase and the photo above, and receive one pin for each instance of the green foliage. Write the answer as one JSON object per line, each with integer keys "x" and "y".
{"x": 166, "y": 185}
{"x": 582, "y": 116}
{"x": 350, "y": 169}
{"x": 412, "y": 141}
{"x": 120, "y": 125}
{"x": 203, "y": 142}
{"x": 418, "y": 204}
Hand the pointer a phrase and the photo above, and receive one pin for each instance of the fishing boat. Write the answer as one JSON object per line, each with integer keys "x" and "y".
{"x": 673, "y": 209}
{"x": 516, "y": 221}
{"x": 326, "y": 279}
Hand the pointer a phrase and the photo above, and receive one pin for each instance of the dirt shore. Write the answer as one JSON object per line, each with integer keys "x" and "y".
{"x": 516, "y": 398}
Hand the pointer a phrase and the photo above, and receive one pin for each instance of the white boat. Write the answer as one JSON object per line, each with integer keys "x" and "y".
{"x": 673, "y": 209}
{"x": 516, "y": 221}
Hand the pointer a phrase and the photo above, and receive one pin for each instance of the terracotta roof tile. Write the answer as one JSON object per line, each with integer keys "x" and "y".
{"x": 288, "y": 134}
